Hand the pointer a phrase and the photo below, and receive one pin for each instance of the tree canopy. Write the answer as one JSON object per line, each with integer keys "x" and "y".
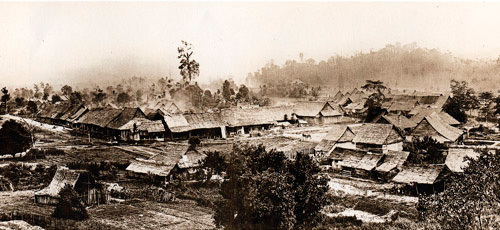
{"x": 265, "y": 190}
{"x": 189, "y": 67}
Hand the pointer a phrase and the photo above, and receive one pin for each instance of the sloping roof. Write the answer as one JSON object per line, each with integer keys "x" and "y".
{"x": 143, "y": 124}
{"x": 369, "y": 161}
{"x": 62, "y": 177}
{"x": 330, "y": 111}
{"x": 308, "y": 108}
{"x": 405, "y": 106}
{"x": 72, "y": 109}
{"x": 449, "y": 132}
{"x": 167, "y": 107}
{"x": 77, "y": 114}
{"x": 370, "y": 133}
{"x": 434, "y": 101}
{"x": 126, "y": 115}
{"x": 351, "y": 158}
{"x": 337, "y": 96}
{"x": 99, "y": 116}
{"x": 456, "y": 158}
{"x": 144, "y": 167}
{"x": 176, "y": 122}
{"x": 448, "y": 118}
{"x": 191, "y": 159}
{"x": 357, "y": 105}
{"x": 419, "y": 174}
{"x": 393, "y": 159}
{"x": 235, "y": 117}
{"x": 204, "y": 120}
{"x": 399, "y": 121}
{"x": 332, "y": 137}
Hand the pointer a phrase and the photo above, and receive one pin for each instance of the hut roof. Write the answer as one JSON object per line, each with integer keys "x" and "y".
{"x": 337, "y": 96}
{"x": 73, "y": 117}
{"x": 191, "y": 159}
{"x": 143, "y": 124}
{"x": 351, "y": 158}
{"x": 100, "y": 116}
{"x": 167, "y": 107}
{"x": 449, "y": 132}
{"x": 456, "y": 161}
{"x": 308, "y": 108}
{"x": 399, "y": 121}
{"x": 393, "y": 159}
{"x": 332, "y": 137}
{"x": 235, "y": 117}
{"x": 144, "y": 167}
{"x": 423, "y": 112}
{"x": 176, "y": 122}
{"x": 405, "y": 106}
{"x": 204, "y": 120}
{"x": 126, "y": 115}
{"x": 62, "y": 177}
{"x": 379, "y": 134}
{"x": 419, "y": 174}
{"x": 369, "y": 161}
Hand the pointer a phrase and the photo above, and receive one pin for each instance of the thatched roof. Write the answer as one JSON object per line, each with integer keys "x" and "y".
{"x": 308, "y": 108}
{"x": 405, "y": 106}
{"x": 399, "y": 121}
{"x": 235, "y": 117}
{"x": 145, "y": 167}
{"x": 393, "y": 159}
{"x": 62, "y": 177}
{"x": 419, "y": 174}
{"x": 100, "y": 116}
{"x": 369, "y": 161}
{"x": 449, "y": 132}
{"x": 73, "y": 117}
{"x": 143, "y": 124}
{"x": 331, "y": 138}
{"x": 456, "y": 158}
{"x": 434, "y": 101}
{"x": 424, "y": 112}
{"x": 204, "y": 120}
{"x": 176, "y": 122}
{"x": 191, "y": 159}
{"x": 351, "y": 158}
{"x": 337, "y": 96}
{"x": 379, "y": 134}
{"x": 126, "y": 115}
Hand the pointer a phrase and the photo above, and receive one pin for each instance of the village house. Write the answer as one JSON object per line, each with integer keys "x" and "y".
{"x": 244, "y": 121}
{"x": 355, "y": 162}
{"x": 141, "y": 129}
{"x": 425, "y": 179}
{"x": 447, "y": 118}
{"x": 89, "y": 191}
{"x": 188, "y": 166}
{"x": 157, "y": 167}
{"x": 318, "y": 112}
{"x": 95, "y": 120}
{"x": 377, "y": 137}
{"x": 438, "y": 129}
{"x": 125, "y": 116}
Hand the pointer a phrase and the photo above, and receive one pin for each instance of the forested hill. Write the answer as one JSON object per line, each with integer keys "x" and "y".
{"x": 398, "y": 66}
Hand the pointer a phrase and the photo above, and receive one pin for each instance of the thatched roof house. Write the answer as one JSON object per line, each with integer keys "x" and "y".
{"x": 447, "y": 118}
{"x": 82, "y": 181}
{"x": 376, "y": 134}
{"x": 438, "y": 129}
{"x": 337, "y": 134}
{"x": 427, "y": 175}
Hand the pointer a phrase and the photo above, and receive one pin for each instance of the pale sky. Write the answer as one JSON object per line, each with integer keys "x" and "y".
{"x": 61, "y": 42}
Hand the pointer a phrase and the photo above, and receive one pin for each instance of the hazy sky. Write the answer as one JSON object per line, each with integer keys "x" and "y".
{"x": 61, "y": 42}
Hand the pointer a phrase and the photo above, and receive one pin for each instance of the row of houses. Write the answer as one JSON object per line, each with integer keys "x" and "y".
{"x": 166, "y": 121}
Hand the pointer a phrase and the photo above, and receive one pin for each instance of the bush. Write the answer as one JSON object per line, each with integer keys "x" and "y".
{"x": 373, "y": 207}
{"x": 69, "y": 207}
{"x": 14, "y": 138}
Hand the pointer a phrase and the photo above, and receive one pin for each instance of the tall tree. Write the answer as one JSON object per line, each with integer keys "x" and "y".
{"x": 189, "y": 67}
{"x": 226, "y": 90}
{"x": 66, "y": 90}
{"x": 5, "y": 98}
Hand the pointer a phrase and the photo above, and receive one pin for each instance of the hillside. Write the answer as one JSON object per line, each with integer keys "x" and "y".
{"x": 398, "y": 66}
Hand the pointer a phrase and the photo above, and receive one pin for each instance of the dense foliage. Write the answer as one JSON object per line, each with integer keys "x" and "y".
{"x": 265, "y": 190}
{"x": 14, "y": 138}
{"x": 425, "y": 150}
{"x": 471, "y": 200}
{"x": 69, "y": 206}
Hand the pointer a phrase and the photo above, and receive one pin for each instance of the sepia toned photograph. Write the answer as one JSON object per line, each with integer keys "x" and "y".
{"x": 250, "y": 115}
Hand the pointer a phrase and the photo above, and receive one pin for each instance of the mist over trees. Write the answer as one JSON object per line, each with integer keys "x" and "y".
{"x": 399, "y": 66}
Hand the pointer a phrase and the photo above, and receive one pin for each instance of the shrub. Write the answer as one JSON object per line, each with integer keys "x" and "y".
{"x": 14, "y": 138}
{"x": 69, "y": 207}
